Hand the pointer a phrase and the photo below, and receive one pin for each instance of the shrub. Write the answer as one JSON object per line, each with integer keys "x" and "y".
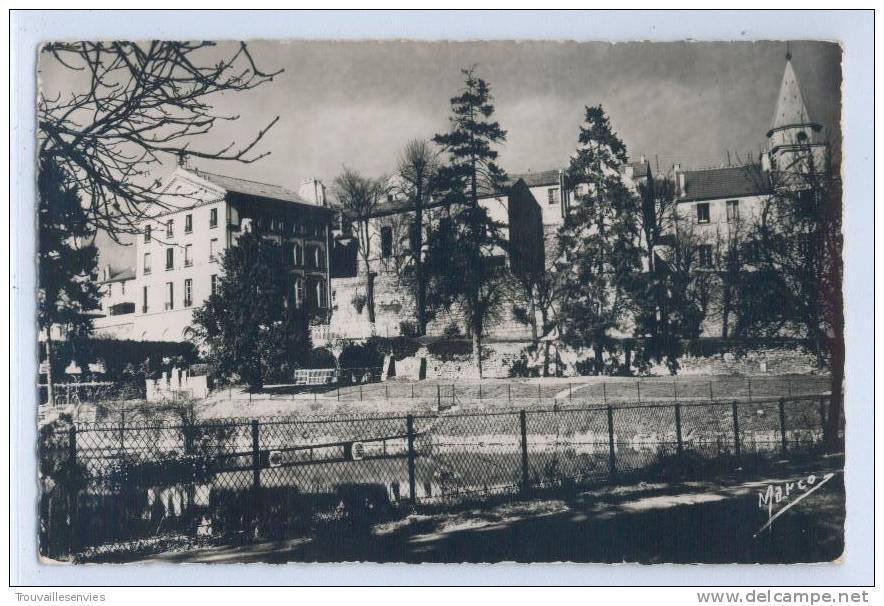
{"x": 452, "y": 330}
{"x": 398, "y": 347}
{"x": 408, "y": 329}
{"x": 450, "y": 349}
{"x": 362, "y": 356}
{"x": 358, "y": 302}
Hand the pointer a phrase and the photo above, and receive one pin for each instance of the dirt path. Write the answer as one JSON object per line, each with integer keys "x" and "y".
{"x": 650, "y": 523}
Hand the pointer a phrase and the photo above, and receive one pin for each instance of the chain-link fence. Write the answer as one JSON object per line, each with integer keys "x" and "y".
{"x": 114, "y": 488}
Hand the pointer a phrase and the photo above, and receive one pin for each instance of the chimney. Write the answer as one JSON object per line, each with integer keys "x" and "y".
{"x": 680, "y": 180}
{"x": 313, "y": 191}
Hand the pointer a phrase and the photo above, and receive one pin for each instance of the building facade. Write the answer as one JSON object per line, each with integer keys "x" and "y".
{"x": 179, "y": 251}
{"x": 517, "y": 215}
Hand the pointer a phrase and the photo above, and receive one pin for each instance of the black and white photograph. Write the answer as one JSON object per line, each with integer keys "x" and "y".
{"x": 414, "y": 301}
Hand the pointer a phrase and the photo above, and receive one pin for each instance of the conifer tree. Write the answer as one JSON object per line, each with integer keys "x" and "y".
{"x": 67, "y": 288}
{"x": 599, "y": 256}
{"x": 250, "y": 326}
{"x": 468, "y": 274}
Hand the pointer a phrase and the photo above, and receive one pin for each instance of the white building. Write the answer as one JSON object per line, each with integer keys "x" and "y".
{"x": 178, "y": 260}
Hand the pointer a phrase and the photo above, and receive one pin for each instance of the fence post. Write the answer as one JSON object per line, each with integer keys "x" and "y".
{"x": 539, "y": 394}
{"x": 638, "y": 389}
{"x": 453, "y": 402}
{"x": 782, "y": 405}
{"x": 360, "y": 392}
{"x": 73, "y": 496}
{"x": 823, "y": 415}
{"x": 509, "y": 392}
{"x": 123, "y": 429}
{"x": 386, "y": 391}
{"x": 438, "y": 397}
{"x": 711, "y": 397}
{"x": 678, "y": 438}
{"x": 612, "y": 457}
{"x": 256, "y": 456}
{"x": 409, "y": 429}
{"x": 524, "y": 427}
{"x": 480, "y": 391}
{"x": 736, "y": 429}
{"x": 412, "y": 391}
{"x": 749, "y": 381}
{"x": 339, "y": 392}
{"x": 604, "y": 392}
{"x": 569, "y": 392}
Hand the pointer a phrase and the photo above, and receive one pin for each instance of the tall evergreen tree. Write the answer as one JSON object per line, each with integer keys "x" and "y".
{"x": 599, "y": 253}
{"x": 250, "y": 326}
{"x": 67, "y": 288}
{"x": 468, "y": 276}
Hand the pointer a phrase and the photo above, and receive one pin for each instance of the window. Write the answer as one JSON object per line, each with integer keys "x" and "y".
{"x": 386, "y": 241}
{"x": 552, "y": 195}
{"x": 733, "y": 210}
{"x": 170, "y": 258}
{"x": 146, "y": 263}
{"x": 144, "y": 306}
{"x": 170, "y": 228}
{"x": 188, "y": 292}
{"x": 214, "y": 283}
{"x": 170, "y": 296}
{"x": 705, "y": 253}
{"x": 703, "y": 212}
{"x": 213, "y": 249}
{"x": 188, "y": 258}
{"x": 319, "y": 257}
{"x": 147, "y": 233}
{"x": 298, "y": 292}
{"x": 188, "y": 224}
{"x": 297, "y": 254}
{"x": 213, "y": 217}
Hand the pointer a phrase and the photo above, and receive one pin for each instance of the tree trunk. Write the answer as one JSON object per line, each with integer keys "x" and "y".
{"x": 477, "y": 351}
{"x": 50, "y": 388}
{"x": 546, "y": 359}
{"x": 725, "y": 311}
{"x": 419, "y": 264}
{"x": 599, "y": 359}
{"x": 369, "y": 296}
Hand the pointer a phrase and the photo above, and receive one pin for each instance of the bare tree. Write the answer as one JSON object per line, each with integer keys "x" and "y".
{"x": 131, "y": 104}
{"x": 800, "y": 239}
{"x": 418, "y": 170}
{"x": 359, "y": 198}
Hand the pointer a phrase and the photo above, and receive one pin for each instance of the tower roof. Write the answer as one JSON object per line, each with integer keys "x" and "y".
{"x": 791, "y": 110}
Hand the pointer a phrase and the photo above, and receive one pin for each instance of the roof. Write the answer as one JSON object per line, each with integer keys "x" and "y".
{"x": 253, "y": 188}
{"x": 729, "y": 182}
{"x": 532, "y": 179}
{"x": 791, "y": 110}
{"x": 639, "y": 169}
{"x": 399, "y": 205}
{"x": 122, "y": 275}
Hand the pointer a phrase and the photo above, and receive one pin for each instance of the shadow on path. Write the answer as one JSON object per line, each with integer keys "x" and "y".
{"x": 648, "y": 523}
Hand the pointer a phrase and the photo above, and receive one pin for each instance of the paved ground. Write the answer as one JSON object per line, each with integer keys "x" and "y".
{"x": 649, "y": 523}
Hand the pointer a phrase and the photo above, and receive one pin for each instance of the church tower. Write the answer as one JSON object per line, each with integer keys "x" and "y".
{"x": 794, "y": 142}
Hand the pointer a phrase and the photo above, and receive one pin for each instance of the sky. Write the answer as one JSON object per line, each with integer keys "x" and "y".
{"x": 356, "y": 104}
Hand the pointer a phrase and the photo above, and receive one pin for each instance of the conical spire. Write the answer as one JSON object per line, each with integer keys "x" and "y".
{"x": 791, "y": 110}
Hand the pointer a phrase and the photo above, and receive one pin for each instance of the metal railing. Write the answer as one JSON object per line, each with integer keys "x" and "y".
{"x": 137, "y": 487}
